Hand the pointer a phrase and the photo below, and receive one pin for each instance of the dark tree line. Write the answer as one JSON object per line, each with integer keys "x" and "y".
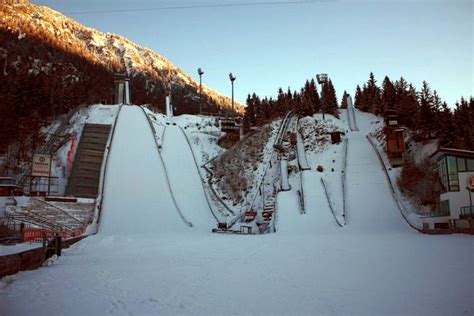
{"x": 306, "y": 101}
{"x": 424, "y": 112}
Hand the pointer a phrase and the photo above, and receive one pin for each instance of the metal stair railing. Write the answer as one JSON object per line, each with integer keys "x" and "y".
{"x": 278, "y": 140}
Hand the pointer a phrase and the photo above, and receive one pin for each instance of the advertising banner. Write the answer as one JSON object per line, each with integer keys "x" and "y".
{"x": 41, "y": 165}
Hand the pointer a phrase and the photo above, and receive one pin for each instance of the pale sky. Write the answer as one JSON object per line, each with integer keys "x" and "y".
{"x": 267, "y": 46}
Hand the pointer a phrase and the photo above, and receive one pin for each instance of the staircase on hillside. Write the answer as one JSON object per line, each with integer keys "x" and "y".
{"x": 85, "y": 177}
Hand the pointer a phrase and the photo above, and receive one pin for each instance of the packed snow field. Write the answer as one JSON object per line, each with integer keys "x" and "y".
{"x": 146, "y": 260}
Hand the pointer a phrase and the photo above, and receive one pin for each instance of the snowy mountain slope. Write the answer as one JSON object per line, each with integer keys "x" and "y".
{"x": 111, "y": 51}
{"x": 137, "y": 199}
{"x": 185, "y": 180}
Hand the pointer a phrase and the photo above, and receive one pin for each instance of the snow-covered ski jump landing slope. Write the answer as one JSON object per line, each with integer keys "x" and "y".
{"x": 136, "y": 196}
{"x": 185, "y": 180}
{"x": 369, "y": 200}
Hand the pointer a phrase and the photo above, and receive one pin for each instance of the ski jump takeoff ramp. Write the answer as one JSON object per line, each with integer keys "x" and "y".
{"x": 136, "y": 196}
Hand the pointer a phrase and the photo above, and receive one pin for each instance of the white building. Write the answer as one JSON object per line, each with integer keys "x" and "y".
{"x": 456, "y": 175}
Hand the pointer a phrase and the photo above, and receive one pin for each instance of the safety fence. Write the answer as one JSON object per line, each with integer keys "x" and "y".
{"x": 30, "y": 234}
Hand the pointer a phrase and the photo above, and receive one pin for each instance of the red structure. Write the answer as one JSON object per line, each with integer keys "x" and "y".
{"x": 9, "y": 188}
{"x": 394, "y": 138}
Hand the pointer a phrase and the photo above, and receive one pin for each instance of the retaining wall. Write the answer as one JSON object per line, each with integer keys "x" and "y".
{"x": 30, "y": 259}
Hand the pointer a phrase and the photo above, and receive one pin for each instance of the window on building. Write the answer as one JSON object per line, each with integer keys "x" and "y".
{"x": 441, "y": 225}
{"x": 443, "y": 174}
{"x": 444, "y": 206}
{"x": 453, "y": 178}
{"x": 470, "y": 164}
{"x": 461, "y": 164}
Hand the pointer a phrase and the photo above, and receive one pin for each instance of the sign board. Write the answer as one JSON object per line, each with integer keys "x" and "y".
{"x": 41, "y": 166}
{"x": 470, "y": 182}
{"x": 392, "y": 122}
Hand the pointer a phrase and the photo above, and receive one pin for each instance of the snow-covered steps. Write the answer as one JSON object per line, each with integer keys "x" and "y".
{"x": 85, "y": 176}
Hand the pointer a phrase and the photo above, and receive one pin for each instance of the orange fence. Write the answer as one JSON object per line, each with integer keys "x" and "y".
{"x": 37, "y": 234}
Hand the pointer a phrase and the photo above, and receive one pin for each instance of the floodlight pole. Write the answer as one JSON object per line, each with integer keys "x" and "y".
{"x": 322, "y": 79}
{"x": 200, "y": 73}
{"x": 232, "y": 79}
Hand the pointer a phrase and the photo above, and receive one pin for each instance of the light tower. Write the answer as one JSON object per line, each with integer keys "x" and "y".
{"x": 232, "y": 79}
{"x": 322, "y": 79}
{"x": 200, "y": 73}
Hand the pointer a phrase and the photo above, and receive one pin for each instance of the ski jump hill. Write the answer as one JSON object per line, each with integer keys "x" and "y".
{"x": 147, "y": 260}
{"x": 141, "y": 188}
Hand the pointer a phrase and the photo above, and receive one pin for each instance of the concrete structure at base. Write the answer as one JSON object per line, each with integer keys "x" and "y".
{"x": 455, "y": 209}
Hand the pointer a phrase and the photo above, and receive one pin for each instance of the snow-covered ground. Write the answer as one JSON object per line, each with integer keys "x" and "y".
{"x": 145, "y": 260}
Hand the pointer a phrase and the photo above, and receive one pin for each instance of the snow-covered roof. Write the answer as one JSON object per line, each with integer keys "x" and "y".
{"x": 452, "y": 152}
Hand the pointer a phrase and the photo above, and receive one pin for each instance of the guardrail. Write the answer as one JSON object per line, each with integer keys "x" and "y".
{"x": 351, "y": 118}
{"x": 330, "y": 203}
{"x": 150, "y": 123}
{"x": 400, "y": 206}
{"x": 343, "y": 178}
{"x": 104, "y": 168}
{"x": 301, "y": 191}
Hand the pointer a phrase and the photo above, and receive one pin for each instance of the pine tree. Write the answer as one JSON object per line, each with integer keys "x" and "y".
{"x": 373, "y": 96}
{"x": 463, "y": 118}
{"x": 427, "y": 113}
{"x": 389, "y": 95}
{"x": 447, "y": 136}
{"x": 358, "y": 97}
{"x": 314, "y": 96}
{"x": 329, "y": 99}
{"x": 249, "y": 120}
{"x": 344, "y": 100}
